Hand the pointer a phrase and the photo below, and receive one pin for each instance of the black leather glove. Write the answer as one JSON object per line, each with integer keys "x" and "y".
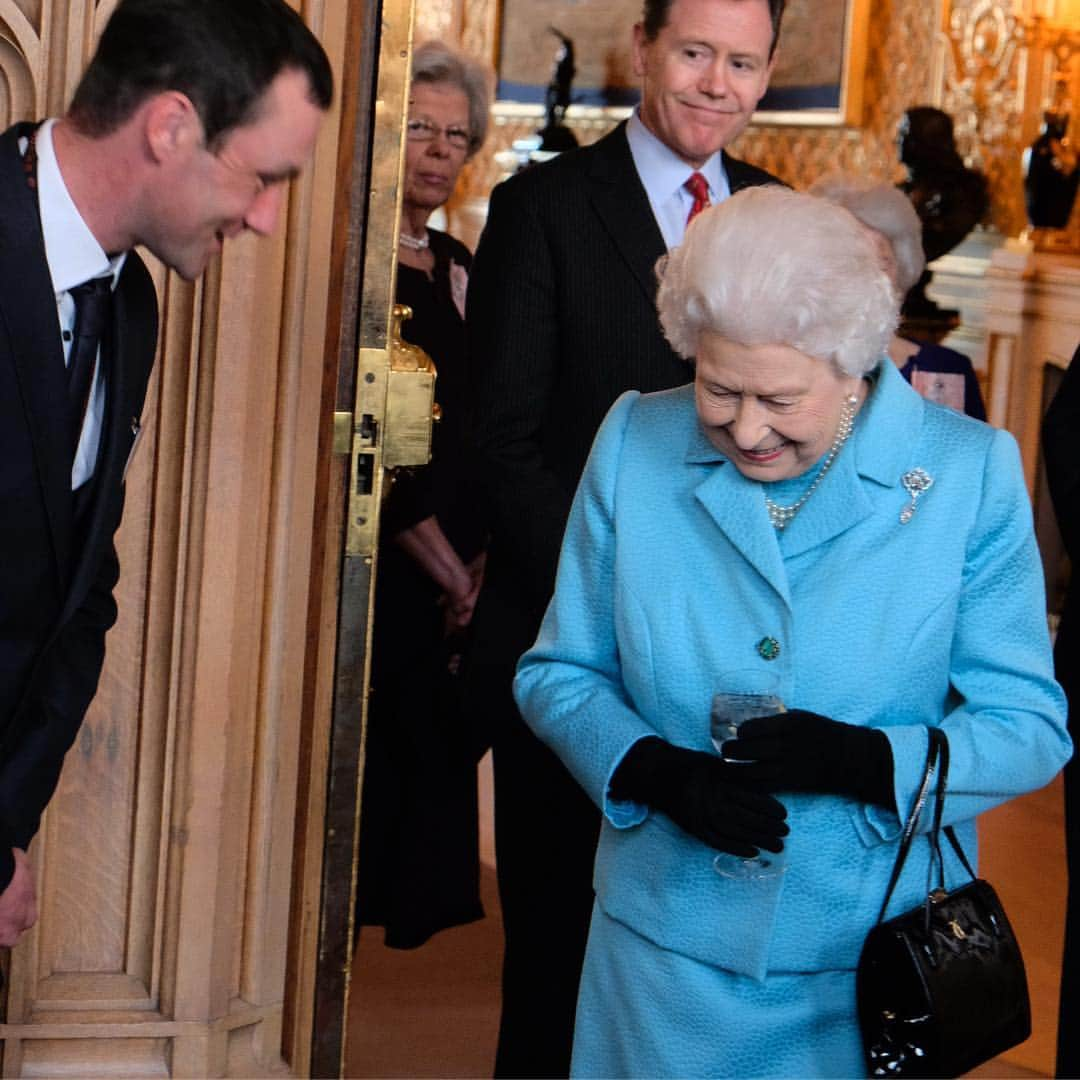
{"x": 703, "y": 795}
{"x": 802, "y": 751}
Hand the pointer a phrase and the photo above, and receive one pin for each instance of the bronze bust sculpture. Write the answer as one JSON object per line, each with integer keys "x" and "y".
{"x": 1051, "y": 174}
{"x": 949, "y": 198}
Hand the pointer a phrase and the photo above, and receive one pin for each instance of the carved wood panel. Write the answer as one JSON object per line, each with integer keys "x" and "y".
{"x": 164, "y": 862}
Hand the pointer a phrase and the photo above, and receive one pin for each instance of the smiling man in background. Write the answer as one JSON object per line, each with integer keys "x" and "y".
{"x": 182, "y": 132}
{"x": 562, "y": 320}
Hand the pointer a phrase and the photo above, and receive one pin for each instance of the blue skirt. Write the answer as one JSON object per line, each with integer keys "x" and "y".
{"x": 646, "y": 1012}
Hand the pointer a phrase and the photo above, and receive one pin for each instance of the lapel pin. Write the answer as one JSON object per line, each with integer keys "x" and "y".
{"x": 916, "y": 483}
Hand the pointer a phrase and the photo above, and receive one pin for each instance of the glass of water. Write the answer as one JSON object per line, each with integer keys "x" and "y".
{"x": 754, "y": 692}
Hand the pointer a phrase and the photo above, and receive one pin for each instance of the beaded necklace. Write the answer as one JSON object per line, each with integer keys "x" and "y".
{"x": 781, "y": 516}
{"x": 414, "y": 243}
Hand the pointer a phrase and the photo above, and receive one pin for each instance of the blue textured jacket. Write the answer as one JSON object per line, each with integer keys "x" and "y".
{"x": 671, "y": 573}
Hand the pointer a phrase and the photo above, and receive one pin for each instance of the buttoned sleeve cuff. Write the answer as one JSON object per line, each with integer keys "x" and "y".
{"x": 623, "y": 813}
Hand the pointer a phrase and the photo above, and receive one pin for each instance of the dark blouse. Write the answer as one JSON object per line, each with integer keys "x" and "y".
{"x": 946, "y": 376}
{"x": 419, "y": 855}
{"x": 443, "y": 487}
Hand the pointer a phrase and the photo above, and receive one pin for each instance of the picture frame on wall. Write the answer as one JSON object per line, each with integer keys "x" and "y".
{"x": 818, "y": 79}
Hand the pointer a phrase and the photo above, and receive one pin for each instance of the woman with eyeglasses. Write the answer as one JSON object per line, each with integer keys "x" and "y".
{"x": 418, "y": 842}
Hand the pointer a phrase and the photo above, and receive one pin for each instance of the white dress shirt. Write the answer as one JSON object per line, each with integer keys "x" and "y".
{"x": 74, "y": 256}
{"x": 663, "y": 174}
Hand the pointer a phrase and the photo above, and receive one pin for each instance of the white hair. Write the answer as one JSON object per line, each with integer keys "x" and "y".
{"x": 886, "y": 210}
{"x": 770, "y": 266}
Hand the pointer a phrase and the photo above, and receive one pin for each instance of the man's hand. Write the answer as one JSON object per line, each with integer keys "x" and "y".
{"x": 18, "y": 902}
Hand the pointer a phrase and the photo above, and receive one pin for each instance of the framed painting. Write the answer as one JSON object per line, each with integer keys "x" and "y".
{"x": 818, "y": 78}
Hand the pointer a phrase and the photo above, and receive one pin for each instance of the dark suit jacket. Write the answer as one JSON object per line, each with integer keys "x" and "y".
{"x": 1061, "y": 454}
{"x": 56, "y": 573}
{"x": 561, "y": 320}
{"x": 1061, "y": 450}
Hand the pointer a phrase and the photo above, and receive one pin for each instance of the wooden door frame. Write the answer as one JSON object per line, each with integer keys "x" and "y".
{"x": 374, "y": 99}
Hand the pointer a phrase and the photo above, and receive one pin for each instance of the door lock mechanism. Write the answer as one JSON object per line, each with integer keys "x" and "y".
{"x": 410, "y": 399}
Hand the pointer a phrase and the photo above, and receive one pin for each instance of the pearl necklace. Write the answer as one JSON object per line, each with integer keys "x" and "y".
{"x": 414, "y": 243}
{"x": 781, "y": 516}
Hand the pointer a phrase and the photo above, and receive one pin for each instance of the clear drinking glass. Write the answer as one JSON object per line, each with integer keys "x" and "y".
{"x": 758, "y": 695}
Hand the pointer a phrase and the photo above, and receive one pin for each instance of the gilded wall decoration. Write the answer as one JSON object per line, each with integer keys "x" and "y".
{"x": 436, "y": 20}
{"x": 479, "y": 26}
{"x": 982, "y": 91}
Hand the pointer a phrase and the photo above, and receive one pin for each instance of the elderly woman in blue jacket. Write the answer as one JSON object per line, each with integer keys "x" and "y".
{"x": 798, "y": 515}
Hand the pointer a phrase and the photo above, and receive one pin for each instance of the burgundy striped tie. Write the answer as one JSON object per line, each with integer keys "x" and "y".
{"x": 699, "y": 188}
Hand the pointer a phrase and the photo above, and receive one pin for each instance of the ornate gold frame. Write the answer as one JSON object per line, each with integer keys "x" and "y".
{"x": 852, "y": 79}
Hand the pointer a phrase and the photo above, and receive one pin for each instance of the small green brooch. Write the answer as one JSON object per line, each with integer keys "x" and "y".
{"x": 768, "y": 648}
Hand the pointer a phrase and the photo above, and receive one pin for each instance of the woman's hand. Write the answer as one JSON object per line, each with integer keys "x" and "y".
{"x": 703, "y": 795}
{"x": 426, "y": 543}
{"x": 460, "y": 605}
{"x": 802, "y": 751}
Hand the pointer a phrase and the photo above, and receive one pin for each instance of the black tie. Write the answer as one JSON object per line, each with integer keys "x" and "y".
{"x": 93, "y": 300}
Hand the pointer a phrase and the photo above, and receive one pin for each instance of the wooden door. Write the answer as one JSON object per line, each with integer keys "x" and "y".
{"x": 372, "y": 420}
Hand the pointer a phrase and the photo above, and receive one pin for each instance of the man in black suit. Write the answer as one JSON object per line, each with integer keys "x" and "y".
{"x": 1061, "y": 453}
{"x": 186, "y": 124}
{"x": 561, "y": 320}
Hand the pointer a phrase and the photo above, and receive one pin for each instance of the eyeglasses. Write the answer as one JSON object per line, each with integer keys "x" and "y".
{"x": 426, "y": 131}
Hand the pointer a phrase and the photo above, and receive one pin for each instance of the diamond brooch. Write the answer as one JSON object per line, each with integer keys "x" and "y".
{"x": 917, "y": 482}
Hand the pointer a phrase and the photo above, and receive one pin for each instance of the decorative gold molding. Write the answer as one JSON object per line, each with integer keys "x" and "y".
{"x": 436, "y": 20}
{"x": 999, "y": 76}
{"x": 982, "y": 89}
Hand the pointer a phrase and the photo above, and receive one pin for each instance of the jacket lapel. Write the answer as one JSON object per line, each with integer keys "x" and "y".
{"x": 134, "y": 331}
{"x": 29, "y": 320}
{"x": 740, "y": 175}
{"x": 874, "y": 460}
{"x": 737, "y": 507}
{"x": 623, "y": 206}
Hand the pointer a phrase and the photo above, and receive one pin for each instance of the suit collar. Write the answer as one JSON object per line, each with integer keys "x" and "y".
{"x": 740, "y": 175}
{"x": 663, "y": 173}
{"x": 622, "y": 205}
{"x": 893, "y": 406}
{"x": 874, "y": 458}
{"x": 71, "y": 249}
{"x": 29, "y": 320}
{"x": 737, "y": 507}
{"x": 878, "y": 455}
{"x": 130, "y": 334}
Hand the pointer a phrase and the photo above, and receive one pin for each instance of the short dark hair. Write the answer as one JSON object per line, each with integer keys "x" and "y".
{"x": 654, "y": 18}
{"x": 223, "y": 54}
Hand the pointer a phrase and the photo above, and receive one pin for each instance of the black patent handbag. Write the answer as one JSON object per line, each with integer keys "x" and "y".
{"x": 940, "y": 988}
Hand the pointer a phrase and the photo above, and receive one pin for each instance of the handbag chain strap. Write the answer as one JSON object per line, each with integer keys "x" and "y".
{"x": 937, "y": 761}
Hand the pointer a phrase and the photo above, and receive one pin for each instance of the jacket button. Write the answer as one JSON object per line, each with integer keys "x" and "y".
{"x": 768, "y": 648}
